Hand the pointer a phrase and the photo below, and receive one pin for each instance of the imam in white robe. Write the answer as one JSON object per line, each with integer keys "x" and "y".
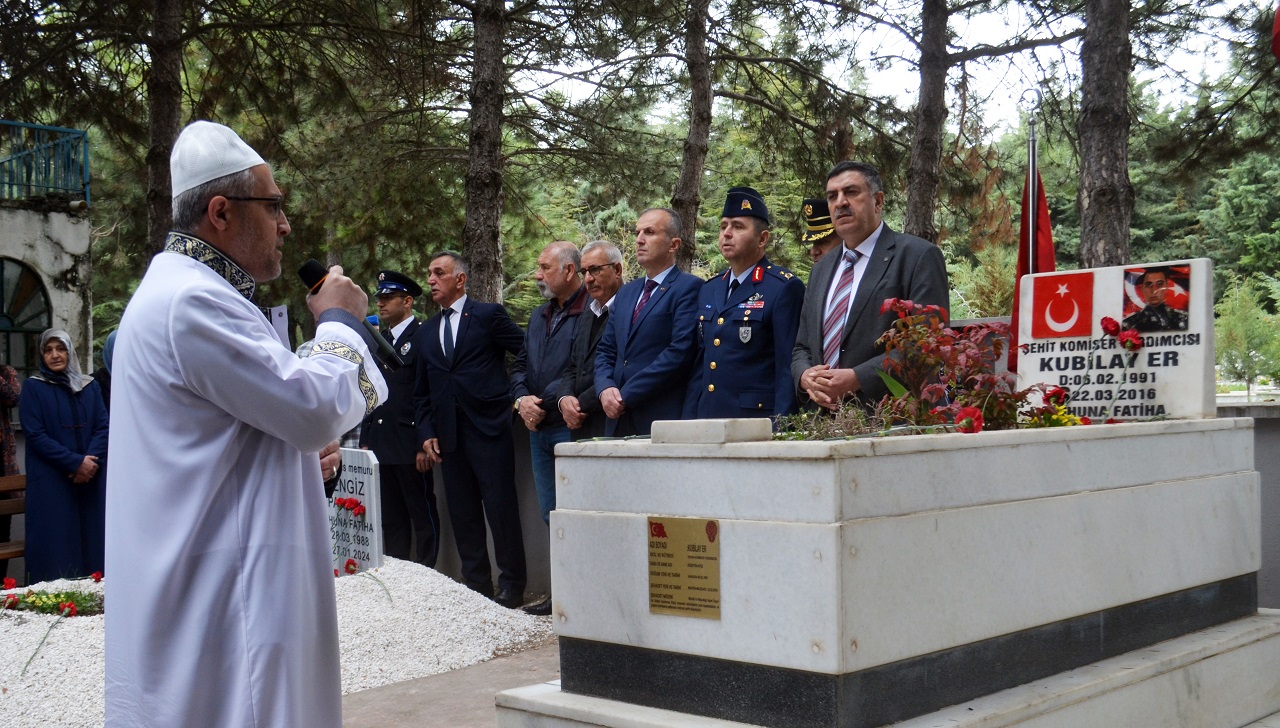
{"x": 220, "y": 603}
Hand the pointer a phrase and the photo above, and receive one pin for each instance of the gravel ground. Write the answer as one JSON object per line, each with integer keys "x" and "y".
{"x": 409, "y": 623}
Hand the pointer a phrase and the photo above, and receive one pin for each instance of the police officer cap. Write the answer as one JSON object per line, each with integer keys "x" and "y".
{"x": 390, "y": 281}
{"x": 745, "y": 202}
{"x": 817, "y": 220}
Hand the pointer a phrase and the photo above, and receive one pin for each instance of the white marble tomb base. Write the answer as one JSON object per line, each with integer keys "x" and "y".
{"x": 1227, "y": 676}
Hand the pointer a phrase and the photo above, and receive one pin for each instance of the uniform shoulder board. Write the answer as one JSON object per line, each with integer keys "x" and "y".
{"x": 781, "y": 272}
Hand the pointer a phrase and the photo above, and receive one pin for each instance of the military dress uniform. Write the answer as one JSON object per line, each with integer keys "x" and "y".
{"x": 745, "y": 340}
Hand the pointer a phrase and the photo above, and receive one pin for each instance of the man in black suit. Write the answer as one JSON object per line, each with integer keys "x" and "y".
{"x": 647, "y": 350}
{"x": 575, "y": 392}
{"x": 835, "y": 355}
{"x": 464, "y": 420}
{"x": 410, "y": 521}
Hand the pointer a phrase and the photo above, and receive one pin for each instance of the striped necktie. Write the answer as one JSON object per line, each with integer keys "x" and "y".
{"x": 649, "y": 285}
{"x": 838, "y": 311}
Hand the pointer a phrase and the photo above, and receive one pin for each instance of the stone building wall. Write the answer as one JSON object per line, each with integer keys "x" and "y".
{"x": 55, "y": 244}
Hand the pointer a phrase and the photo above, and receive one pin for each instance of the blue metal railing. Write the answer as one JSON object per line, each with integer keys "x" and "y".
{"x": 36, "y": 160}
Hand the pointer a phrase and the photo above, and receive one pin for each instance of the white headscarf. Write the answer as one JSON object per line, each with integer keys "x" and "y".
{"x": 69, "y": 377}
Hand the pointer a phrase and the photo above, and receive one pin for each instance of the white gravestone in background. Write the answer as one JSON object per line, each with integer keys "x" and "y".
{"x": 358, "y": 538}
{"x": 1170, "y": 305}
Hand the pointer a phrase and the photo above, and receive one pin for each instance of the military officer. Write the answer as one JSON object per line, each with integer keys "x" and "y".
{"x": 747, "y": 322}
{"x": 410, "y": 519}
{"x": 819, "y": 233}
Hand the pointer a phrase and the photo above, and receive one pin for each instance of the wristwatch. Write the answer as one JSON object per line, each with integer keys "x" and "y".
{"x": 516, "y": 405}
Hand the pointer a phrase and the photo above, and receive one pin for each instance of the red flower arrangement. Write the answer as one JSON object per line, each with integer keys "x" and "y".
{"x": 351, "y": 504}
{"x": 935, "y": 373}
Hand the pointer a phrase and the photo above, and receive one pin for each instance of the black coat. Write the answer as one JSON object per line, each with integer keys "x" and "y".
{"x": 546, "y": 356}
{"x": 391, "y": 430}
{"x": 474, "y": 382}
{"x": 579, "y": 379}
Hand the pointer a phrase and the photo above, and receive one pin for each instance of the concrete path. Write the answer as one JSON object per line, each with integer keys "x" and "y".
{"x": 456, "y": 699}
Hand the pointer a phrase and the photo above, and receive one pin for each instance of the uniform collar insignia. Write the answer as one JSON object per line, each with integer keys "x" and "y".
{"x": 215, "y": 259}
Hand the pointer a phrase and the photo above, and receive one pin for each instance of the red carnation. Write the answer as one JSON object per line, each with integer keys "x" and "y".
{"x": 351, "y": 566}
{"x": 358, "y": 511}
{"x": 68, "y": 609}
{"x": 96, "y": 576}
{"x": 11, "y": 601}
{"x": 969, "y": 419}
{"x": 335, "y": 572}
{"x": 1111, "y": 421}
{"x": 1110, "y": 326}
{"x": 1056, "y": 395}
{"x": 1086, "y": 421}
{"x": 10, "y": 582}
{"x": 1130, "y": 340}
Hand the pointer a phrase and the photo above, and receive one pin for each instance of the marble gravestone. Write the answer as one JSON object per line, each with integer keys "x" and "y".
{"x": 1170, "y": 307}
{"x": 1060, "y": 578}
{"x": 357, "y": 537}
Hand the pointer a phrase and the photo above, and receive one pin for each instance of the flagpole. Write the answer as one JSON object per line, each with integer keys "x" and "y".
{"x": 1033, "y": 189}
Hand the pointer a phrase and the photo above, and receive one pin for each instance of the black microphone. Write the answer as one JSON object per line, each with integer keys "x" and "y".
{"x": 313, "y": 276}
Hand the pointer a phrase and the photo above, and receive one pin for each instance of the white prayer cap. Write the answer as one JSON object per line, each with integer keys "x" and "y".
{"x": 206, "y": 151}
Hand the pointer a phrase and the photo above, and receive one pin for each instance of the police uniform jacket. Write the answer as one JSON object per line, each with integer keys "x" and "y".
{"x": 390, "y": 431}
{"x": 744, "y": 345}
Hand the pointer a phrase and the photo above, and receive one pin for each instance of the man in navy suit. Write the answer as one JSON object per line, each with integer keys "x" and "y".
{"x": 464, "y": 419}
{"x": 410, "y": 521}
{"x": 836, "y": 354}
{"x": 646, "y": 352}
{"x": 747, "y": 321}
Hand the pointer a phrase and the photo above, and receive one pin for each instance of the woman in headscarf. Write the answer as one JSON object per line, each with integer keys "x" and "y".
{"x": 66, "y": 432}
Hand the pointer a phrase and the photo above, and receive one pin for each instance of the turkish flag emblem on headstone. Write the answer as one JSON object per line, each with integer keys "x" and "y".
{"x": 1062, "y": 305}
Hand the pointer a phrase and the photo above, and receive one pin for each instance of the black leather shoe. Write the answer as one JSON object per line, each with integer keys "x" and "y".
{"x": 540, "y": 609}
{"x": 509, "y": 598}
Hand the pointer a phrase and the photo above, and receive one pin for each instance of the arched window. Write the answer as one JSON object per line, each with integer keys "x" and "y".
{"x": 24, "y": 314}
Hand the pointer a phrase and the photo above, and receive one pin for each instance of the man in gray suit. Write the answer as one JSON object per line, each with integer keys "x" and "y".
{"x": 835, "y": 355}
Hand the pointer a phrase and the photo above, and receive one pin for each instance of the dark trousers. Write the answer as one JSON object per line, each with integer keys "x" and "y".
{"x": 410, "y": 519}
{"x": 479, "y": 484}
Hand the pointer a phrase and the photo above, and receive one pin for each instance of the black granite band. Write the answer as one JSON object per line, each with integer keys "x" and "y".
{"x": 781, "y": 697}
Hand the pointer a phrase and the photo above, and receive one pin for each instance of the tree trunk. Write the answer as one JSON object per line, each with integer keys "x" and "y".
{"x": 1106, "y": 196}
{"x": 164, "y": 101}
{"x": 481, "y": 234}
{"x": 688, "y": 196}
{"x": 923, "y": 176}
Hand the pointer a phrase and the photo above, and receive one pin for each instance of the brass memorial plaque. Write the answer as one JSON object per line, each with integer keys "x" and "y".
{"x": 684, "y": 567}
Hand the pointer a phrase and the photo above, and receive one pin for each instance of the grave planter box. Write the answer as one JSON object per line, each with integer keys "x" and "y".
{"x": 865, "y": 582}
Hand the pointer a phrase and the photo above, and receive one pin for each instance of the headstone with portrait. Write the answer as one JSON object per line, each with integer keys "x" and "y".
{"x": 355, "y": 514}
{"x": 1128, "y": 342}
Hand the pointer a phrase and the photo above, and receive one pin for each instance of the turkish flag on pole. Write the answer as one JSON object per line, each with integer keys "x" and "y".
{"x": 1044, "y": 260}
{"x": 1275, "y": 35}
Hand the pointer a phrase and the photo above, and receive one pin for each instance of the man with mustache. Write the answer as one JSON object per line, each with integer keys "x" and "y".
{"x": 836, "y": 356}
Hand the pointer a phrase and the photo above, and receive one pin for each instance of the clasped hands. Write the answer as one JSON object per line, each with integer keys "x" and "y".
{"x": 827, "y": 386}
{"x": 87, "y": 469}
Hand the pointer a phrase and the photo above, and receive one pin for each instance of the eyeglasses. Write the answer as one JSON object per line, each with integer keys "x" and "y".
{"x": 274, "y": 206}
{"x": 594, "y": 270}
